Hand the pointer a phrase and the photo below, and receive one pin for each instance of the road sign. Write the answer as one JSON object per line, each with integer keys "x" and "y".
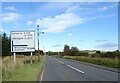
{"x": 22, "y": 41}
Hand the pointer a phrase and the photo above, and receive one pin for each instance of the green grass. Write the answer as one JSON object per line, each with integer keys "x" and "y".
{"x": 113, "y": 63}
{"x": 27, "y": 72}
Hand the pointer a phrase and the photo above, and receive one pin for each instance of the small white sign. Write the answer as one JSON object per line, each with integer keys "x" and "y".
{"x": 22, "y": 41}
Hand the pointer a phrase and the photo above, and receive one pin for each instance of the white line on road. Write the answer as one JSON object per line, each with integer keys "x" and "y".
{"x": 76, "y": 69}
{"x": 42, "y": 75}
{"x": 42, "y": 72}
{"x": 61, "y": 62}
{"x": 71, "y": 67}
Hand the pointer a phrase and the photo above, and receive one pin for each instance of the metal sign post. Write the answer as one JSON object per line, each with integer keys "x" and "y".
{"x": 31, "y": 57}
{"x": 14, "y": 57}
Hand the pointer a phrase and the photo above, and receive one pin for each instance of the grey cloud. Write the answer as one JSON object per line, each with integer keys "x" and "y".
{"x": 107, "y": 46}
{"x": 56, "y": 45}
{"x": 102, "y": 40}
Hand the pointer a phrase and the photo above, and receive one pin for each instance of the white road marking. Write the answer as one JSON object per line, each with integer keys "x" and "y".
{"x": 42, "y": 72}
{"x": 71, "y": 67}
{"x": 76, "y": 69}
{"x": 42, "y": 75}
{"x": 61, "y": 62}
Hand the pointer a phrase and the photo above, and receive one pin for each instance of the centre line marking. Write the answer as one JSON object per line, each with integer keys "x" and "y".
{"x": 76, "y": 69}
{"x": 61, "y": 62}
{"x": 71, "y": 67}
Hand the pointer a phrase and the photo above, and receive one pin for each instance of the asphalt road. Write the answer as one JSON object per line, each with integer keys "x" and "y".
{"x": 58, "y": 69}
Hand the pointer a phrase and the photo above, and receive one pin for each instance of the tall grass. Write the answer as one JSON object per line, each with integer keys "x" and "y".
{"x": 22, "y": 70}
{"x": 109, "y": 62}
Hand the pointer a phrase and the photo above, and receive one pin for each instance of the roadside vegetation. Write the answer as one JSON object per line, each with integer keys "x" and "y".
{"x": 22, "y": 70}
{"x": 109, "y": 62}
{"x": 109, "y": 59}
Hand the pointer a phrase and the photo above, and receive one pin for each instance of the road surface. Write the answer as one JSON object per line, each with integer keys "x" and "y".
{"x": 58, "y": 69}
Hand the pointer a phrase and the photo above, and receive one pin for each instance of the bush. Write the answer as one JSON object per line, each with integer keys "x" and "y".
{"x": 82, "y": 54}
{"x": 111, "y": 54}
{"x": 62, "y": 53}
{"x": 96, "y": 55}
{"x": 98, "y": 52}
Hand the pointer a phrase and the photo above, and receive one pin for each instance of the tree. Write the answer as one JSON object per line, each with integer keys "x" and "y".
{"x": 117, "y": 51}
{"x": 66, "y": 50}
{"x": 61, "y": 53}
{"x": 5, "y": 45}
{"x": 98, "y": 52}
{"x": 74, "y": 51}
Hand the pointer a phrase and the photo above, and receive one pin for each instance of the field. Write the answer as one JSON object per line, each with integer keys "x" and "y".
{"x": 109, "y": 62}
{"x": 22, "y": 70}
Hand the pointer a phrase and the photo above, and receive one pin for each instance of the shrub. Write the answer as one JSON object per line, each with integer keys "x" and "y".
{"x": 98, "y": 52}
{"x": 110, "y": 54}
{"x": 82, "y": 54}
{"x": 96, "y": 55}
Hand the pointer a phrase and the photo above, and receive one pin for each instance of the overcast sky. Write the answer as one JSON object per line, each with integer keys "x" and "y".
{"x": 86, "y": 25}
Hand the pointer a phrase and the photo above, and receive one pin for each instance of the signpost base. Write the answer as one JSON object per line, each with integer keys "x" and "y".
{"x": 31, "y": 57}
{"x": 14, "y": 57}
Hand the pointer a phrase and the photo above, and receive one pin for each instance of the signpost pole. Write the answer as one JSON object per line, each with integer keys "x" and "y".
{"x": 38, "y": 43}
{"x": 14, "y": 57}
{"x": 31, "y": 57}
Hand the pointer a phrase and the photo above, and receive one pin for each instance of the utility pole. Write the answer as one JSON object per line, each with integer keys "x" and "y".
{"x": 44, "y": 50}
{"x": 38, "y": 33}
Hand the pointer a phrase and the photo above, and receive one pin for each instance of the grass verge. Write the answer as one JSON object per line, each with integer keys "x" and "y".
{"x": 27, "y": 72}
{"x": 113, "y": 63}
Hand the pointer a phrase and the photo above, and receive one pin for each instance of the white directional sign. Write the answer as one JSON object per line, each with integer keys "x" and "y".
{"x": 22, "y": 41}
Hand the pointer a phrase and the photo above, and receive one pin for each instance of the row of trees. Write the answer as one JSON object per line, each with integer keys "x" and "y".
{"x": 52, "y": 53}
{"x": 74, "y": 51}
